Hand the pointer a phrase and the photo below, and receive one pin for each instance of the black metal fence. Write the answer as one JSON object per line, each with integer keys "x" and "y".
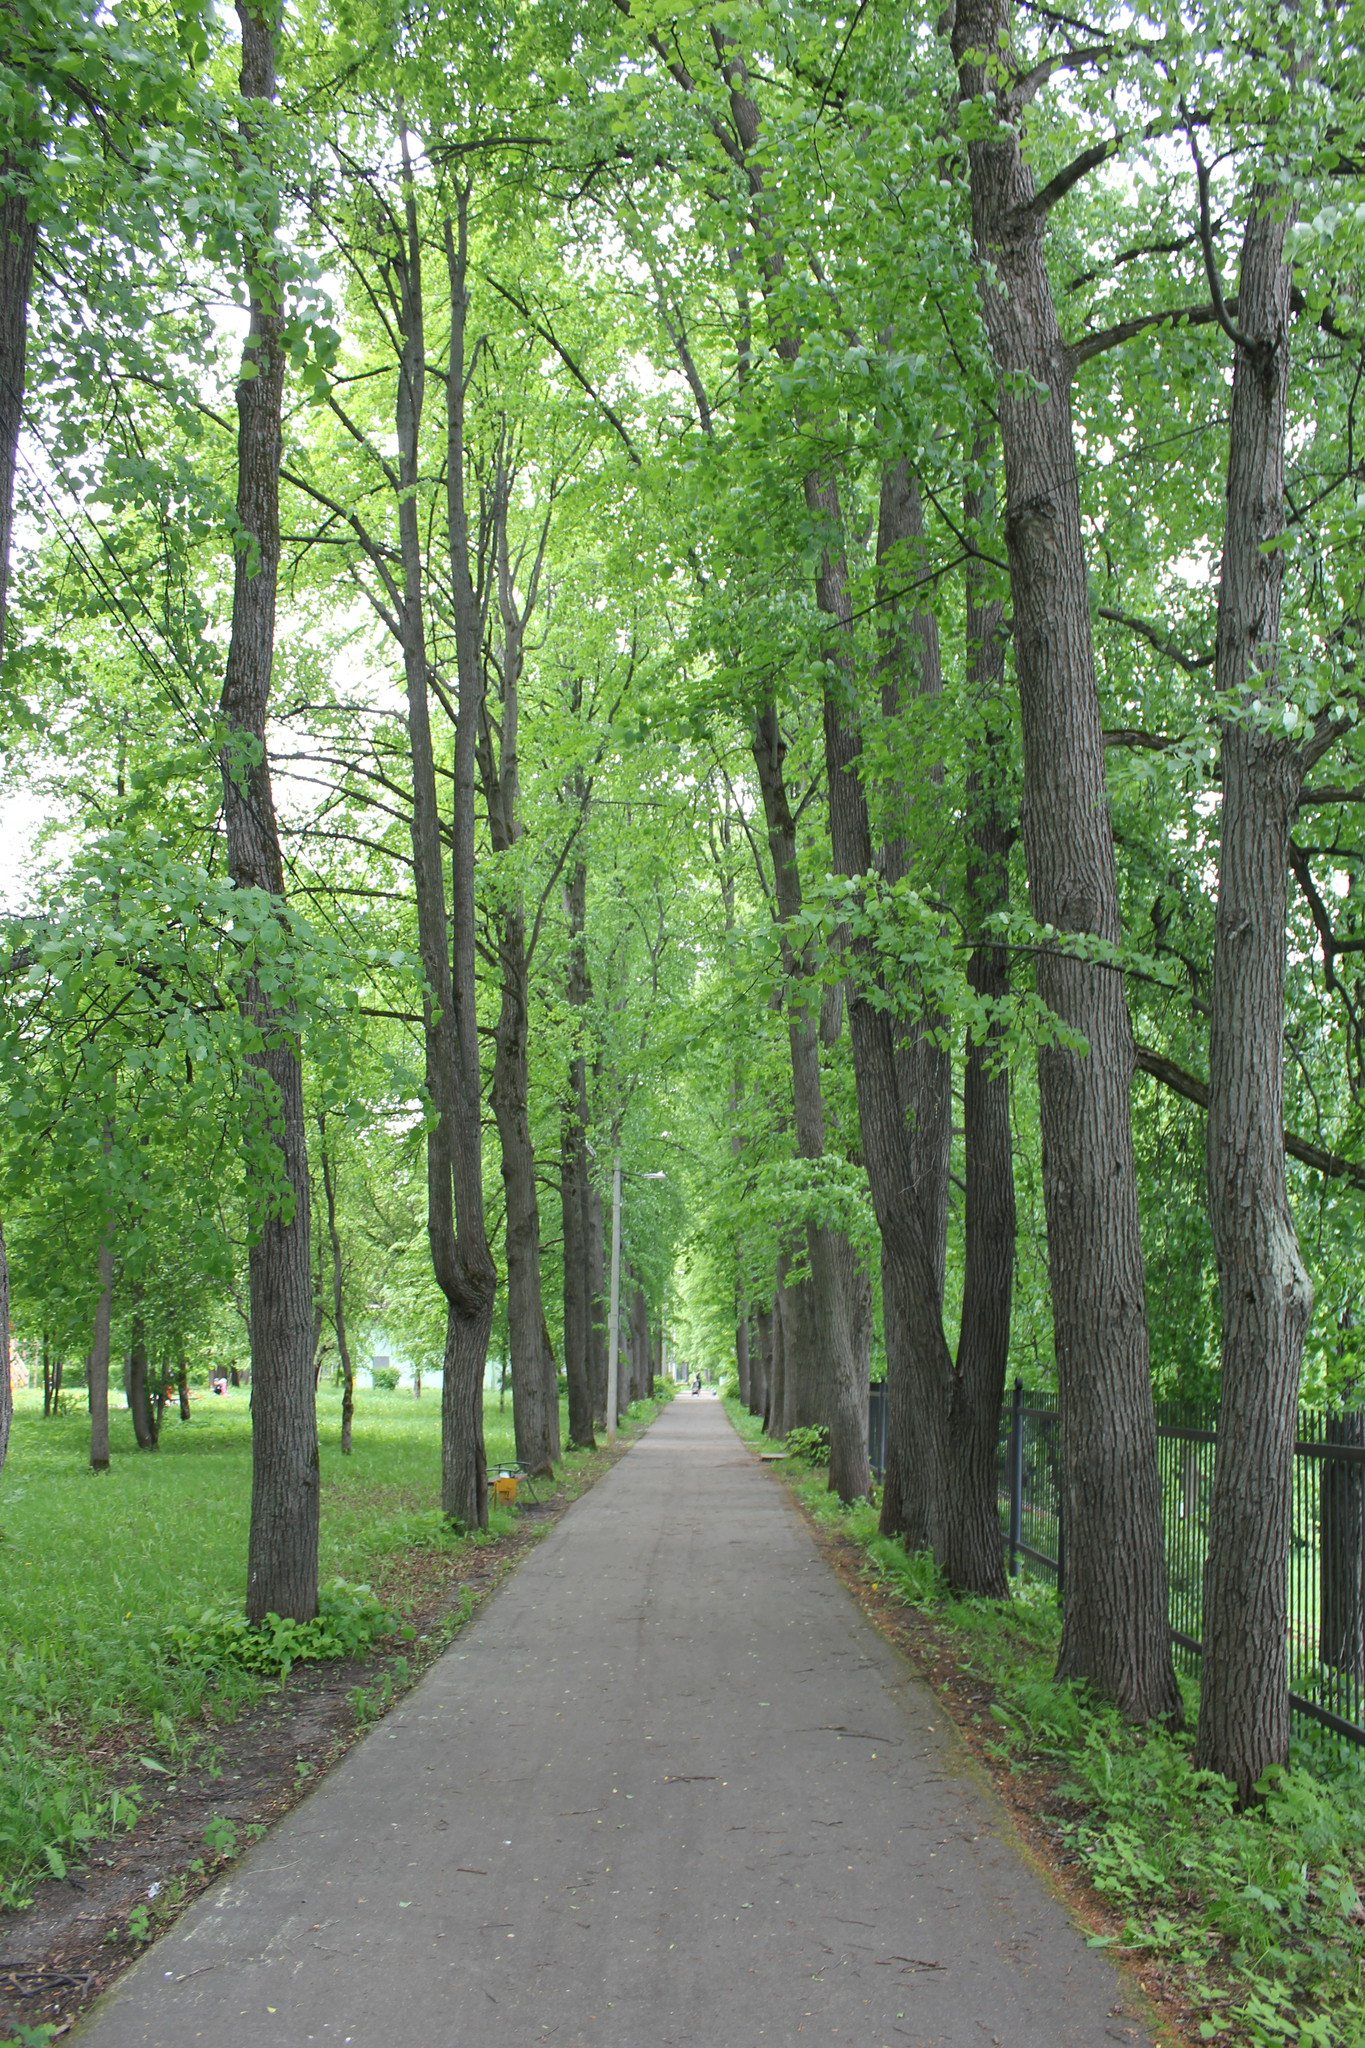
{"x": 1326, "y": 1552}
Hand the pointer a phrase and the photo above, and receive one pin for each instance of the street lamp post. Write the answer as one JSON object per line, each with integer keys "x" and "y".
{"x": 614, "y": 1308}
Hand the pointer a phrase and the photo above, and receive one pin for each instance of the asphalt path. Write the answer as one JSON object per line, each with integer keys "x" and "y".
{"x": 668, "y": 1790}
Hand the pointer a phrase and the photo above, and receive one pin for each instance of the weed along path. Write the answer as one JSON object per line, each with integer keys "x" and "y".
{"x": 669, "y": 1790}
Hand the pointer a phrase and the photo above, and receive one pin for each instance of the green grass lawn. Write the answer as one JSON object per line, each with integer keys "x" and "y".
{"x": 94, "y": 1567}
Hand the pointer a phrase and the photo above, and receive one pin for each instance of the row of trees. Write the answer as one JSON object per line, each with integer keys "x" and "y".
{"x": 743, "y": 599}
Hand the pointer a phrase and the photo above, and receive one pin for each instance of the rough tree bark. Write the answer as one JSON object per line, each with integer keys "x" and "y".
{"x": 1341, "y": 1562}
{"x": 775, "y": 1419}
{"x": 1115, "y": 1630}
{"x": 902, "y": 1078}
{"x": 573, "y": 1180}
{"x": 139, "y": 1390}
{"x": 837, "y": 1399}
{"x": 743, "y": 1368}
{"x": 97, "y": 1369}
{"x": 329, "y": 1190}
{"x": 535, "y": 1390}
{"x": 18, "y": 247}
{"x": 461, "y": 1262}
{"x": 639, "y": 1345}
{"x": 464, "y": 1466}
{"x": 282, "y": 1547}
{"x": 1265, "y": 1292}
{"x": 597, "y": 1303}
{"x": 760, "y": 1363}
{"x": 800, "y": 1357}
{"x": 972, "y": 1554}
{"x": 182, "y": 1386}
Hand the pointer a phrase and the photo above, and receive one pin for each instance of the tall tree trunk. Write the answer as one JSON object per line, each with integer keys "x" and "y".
{"x": 139, "y": 1391}
{"x": 282, "y": 1547}
{"x": 97, "y": 1370}
{"x": 902, "y": 1087}
{"x": 533, "y": 1416}
{"x": 573, "y": 1178}
{"x": 464, "y": 1465}
{"x": 842, "y": 1395}
{"x": 760, "y": 1363}
{"x": 805, "y": 1403}
{"x": 597, "y": 1306}
{"x": 18, "y": 246}
{"x": 1341, "y": 1561}
{"x": 573, "y": 1186}
{"x": 799, "y": 1365}
{"x": 535, "y": 1394}
{"x": 1115, "y": 1629}
{"x": 182, "y": 1386}
{"x": 972, "y": 1553}
{"x": 461, "y": 1261}
{"x": 836, "y": 1398}
{"x": 777, "y": 1361}
{"x": 1265, "y": 1292}
{"x": 535, "y": 1404}
{"x": 551, "y": 1386}
{"x": 911, "y": 669}
{"x": 903, "y": 1079}
{"x": 643, "y": 1352}
{"x": 743, "y": 1369}
{"x": 338, "y": 1308}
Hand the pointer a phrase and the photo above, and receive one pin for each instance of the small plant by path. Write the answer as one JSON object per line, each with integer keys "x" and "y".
{"x": 1246, "y": 1927}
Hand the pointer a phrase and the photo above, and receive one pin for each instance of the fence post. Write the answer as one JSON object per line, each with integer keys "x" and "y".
{"x": 1016, "y": 1476}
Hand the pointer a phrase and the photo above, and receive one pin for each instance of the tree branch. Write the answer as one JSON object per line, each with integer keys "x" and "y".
{"x": 1191, "y": 663}
{"x": 1123, "y": 330}
{"x": 547, "y": 334}
{"x": 1194, "y": 1090}
{"x": 1220, "y": 307}
{"x": 1333, "y": 793}
{"x": 1134, "y": 736}
{"x": 1070, "y": 174}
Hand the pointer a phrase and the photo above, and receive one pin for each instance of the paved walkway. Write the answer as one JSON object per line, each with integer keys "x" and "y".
{"x": 669, "y": 1790}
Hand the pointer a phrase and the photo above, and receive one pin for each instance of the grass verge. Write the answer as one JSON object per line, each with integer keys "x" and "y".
{"x": 120, "y": 1593}
{"x": 1249, "y": 1927}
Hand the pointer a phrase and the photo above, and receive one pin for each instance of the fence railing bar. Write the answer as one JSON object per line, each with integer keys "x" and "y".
{"x": 1038, "y": 1556}
{"x": 1349, "y": 1454}
{"x": 1352, "y": 1730}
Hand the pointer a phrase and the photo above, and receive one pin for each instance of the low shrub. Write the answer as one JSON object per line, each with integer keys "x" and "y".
{"x": 348, "y": 1620}
{"x": 810, "y": 1443}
